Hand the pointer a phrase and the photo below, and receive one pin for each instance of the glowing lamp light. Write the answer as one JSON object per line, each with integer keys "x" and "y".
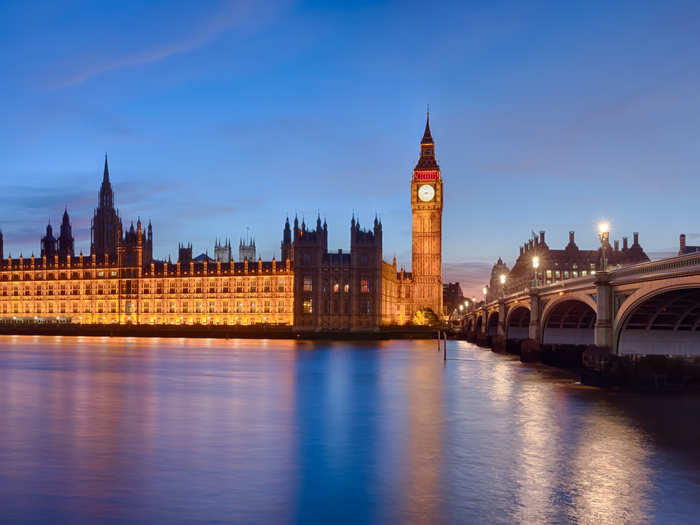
{"x": 603, "y": 227}
{"x": 503, "y": 278}
{"x": 485, "y": 290}
{"x": 535, "y": 262}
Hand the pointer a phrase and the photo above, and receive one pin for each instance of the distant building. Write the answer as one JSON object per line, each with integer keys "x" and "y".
{"x": 246, "y": 250}
{"x": 559, "y": 265}
{"x": 184, "y": 253}
{"x": 452, "y": 297}
{"x": 495, "y": 288}
{"x": 204, "y": 257}
{"x": 683, "y": 250}
{"x": 222, "y": 252}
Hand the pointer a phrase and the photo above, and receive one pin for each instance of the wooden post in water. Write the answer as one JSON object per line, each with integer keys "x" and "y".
{"x": 438, "y": 339}
{"x": 444, "y": 348}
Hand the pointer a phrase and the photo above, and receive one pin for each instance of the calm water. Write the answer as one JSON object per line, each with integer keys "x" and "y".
{"x": 182, "y": 431}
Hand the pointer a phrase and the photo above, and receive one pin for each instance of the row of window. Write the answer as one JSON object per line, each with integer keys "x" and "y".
{"x": 565, "y": 274}
{"x": 127, "y": 287}
{"x": 60, "y": 290}
{"x": 158, "y": 307}
{"x": 62, "y": 275}
{"x": 365, "y": 307}
{"x": 308, "y": 285}
{"x": 75, "y": 275}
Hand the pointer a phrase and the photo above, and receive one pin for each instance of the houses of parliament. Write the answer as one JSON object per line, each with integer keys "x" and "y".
{"x": 308, "y": 288}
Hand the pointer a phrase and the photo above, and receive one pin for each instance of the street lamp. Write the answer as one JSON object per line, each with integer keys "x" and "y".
{"x": 503, "y": 284}
{"x": 485, "y": 290}
{"x": 535, "y": 265}
{"x": 604, "y": 236}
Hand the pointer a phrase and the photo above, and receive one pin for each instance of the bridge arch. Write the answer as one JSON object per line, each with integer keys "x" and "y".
{"x": 664, "y": 321}
{"x": 492, "y": 324}
{"x": 569, "y": 320}
{"x": 478, "y": 323}
{"x": 518, "y": 322}
{"x": 470, "y": 324}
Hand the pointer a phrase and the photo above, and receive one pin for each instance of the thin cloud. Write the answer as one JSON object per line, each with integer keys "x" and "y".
{"x": 234, "y": 14}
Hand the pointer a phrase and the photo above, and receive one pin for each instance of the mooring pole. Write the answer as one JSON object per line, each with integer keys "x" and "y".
{"x": 444, "y": 349}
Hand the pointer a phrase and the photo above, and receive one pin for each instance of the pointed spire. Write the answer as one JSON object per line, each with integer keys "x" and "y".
{"x": 105, "y": 175}
{"x": 427, "y": 137}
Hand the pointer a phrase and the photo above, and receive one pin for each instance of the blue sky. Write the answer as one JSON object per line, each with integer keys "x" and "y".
{"x": 219, "y": 116}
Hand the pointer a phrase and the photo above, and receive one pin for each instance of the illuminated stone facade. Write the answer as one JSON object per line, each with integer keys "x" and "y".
{"x": 82, "y": 290}
{"x": 404, "y": 293}
{"x": 309, "y": 289}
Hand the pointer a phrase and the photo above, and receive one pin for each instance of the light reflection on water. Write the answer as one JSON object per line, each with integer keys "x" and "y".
{"x": 180, "y": 430}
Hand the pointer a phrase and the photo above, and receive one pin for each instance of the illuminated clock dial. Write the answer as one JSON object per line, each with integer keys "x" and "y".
{"x": 426, "y": 193}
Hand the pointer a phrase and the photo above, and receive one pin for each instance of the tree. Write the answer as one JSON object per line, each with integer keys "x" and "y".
{"x": 425, "y": 317}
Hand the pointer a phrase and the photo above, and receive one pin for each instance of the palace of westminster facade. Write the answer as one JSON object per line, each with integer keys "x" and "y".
{"x": 309, "y": 288}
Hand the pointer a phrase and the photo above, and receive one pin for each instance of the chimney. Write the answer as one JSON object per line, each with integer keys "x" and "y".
{"x": 530, "y": 244}
{"x": 624, "y": 244}
{"x": 682, "y": 250}
{"x": 521, "y": 250}
{"x": 617, "y": 245}
{"x": 571, "y": 237}
{"x": 541, "y": 236}
{"x": 635, "y": 236}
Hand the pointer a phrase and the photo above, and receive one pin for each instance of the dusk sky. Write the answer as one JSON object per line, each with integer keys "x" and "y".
{"x": 218, "y": 116}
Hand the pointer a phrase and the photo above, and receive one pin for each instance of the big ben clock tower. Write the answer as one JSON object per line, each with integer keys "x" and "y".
{"x": 426, "y": 204}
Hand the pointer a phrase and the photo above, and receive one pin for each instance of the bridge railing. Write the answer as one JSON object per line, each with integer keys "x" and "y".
{"x": 523, "y": 285}
{"x": 672, "y": 264}
{"x": 517, "y": 285}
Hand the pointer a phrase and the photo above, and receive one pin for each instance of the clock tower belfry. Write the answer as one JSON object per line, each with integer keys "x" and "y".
{"x": 426, "y": 205}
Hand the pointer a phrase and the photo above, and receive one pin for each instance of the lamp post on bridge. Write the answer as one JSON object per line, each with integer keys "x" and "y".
{"x": 503, "y": 284}
{"x": 604, "y": 236}
{"x": 535, "y": 266}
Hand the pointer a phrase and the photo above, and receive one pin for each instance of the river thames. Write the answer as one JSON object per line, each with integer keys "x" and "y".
{"x": 246, "y": 431}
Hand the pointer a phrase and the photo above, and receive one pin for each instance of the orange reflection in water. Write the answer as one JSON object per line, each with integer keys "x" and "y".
{"x": 424, "y": 493}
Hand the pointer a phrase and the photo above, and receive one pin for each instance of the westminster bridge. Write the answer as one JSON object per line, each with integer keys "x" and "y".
{"x": 644, "y": 309}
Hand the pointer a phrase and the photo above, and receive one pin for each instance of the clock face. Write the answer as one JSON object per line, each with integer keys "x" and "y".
{"x": 426, "y": 193}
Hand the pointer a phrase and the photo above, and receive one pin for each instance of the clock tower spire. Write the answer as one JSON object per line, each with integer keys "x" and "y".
{"x": 426, "y": 205}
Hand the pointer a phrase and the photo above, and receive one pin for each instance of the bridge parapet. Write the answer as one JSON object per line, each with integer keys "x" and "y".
{"x": 683, "y": 264}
